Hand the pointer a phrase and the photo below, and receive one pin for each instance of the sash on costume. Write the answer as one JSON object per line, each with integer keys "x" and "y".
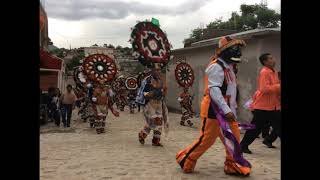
{"x": 230, "y": 141}
{"x": 140, "y": 99}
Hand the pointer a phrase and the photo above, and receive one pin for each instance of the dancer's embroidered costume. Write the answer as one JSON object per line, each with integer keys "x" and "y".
{"x": 217, "y": 107}
{"x": 95, "y": 75}
{"x": 151, "y": 47}
{"x": 131, "y": 85}
{"x": 185, "y": 77}
{"x": 118, "y": 85}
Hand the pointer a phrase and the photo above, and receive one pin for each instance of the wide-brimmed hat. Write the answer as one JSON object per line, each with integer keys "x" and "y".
{"x": 225, "y": 42}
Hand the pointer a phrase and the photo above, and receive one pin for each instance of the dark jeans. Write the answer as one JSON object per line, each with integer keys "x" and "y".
{"x": 54, "y": 114}
{"x": 66, "y": 114}
{"x": 260, "y": 119}
{"x": 266, "y": 128}
{"x": 57, "y": 117}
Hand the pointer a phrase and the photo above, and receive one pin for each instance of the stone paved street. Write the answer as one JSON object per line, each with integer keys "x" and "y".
{"x": 79, "y": 153}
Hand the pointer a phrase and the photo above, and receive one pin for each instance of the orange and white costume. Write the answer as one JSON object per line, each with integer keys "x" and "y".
{"x": 220, "y": 87}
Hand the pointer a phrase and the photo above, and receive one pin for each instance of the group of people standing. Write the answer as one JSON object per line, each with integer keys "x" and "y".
{"x": 60, "y": 106}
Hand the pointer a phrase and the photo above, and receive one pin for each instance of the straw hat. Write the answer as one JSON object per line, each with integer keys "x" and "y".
{"x": 226, "y": 42}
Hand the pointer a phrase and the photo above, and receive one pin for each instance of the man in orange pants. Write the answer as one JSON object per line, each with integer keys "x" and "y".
{"x": 218, "y": 112}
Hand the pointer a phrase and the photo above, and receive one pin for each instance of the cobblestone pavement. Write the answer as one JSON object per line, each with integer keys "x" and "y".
{"x": 78, "y": 153}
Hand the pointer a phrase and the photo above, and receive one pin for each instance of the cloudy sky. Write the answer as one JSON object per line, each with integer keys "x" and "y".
{"x": 82, "y": 23}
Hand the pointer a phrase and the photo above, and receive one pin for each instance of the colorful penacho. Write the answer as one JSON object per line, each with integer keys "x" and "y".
{"x": 185, "y": 77}
{"x": 118, "y": 86}
{"x": 94, "y": 77}
{"x": 150, "y": 44}
{"x": 151, "y": 47}
{"x": 132, "y": 86}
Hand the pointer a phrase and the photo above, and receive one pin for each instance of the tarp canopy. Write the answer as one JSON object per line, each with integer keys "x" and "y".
{"x": 48, "y": 61}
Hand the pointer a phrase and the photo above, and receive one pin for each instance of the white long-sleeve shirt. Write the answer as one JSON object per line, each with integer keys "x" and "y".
{"x": 216, "y": 77}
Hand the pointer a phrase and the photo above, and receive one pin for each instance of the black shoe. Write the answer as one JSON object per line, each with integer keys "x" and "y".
{"x": 190, "y": 123}
{"x": 268, "y": 144}
{"x": 246, "y": 150}
{"x": 156, "y": 141}
{"x": 141, "y": 139}
{"x": 264, "y": 136}
{"x": 182, "y": 123}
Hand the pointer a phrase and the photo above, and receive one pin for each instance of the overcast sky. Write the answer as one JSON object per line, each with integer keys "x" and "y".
{"x": 82, "y": 23}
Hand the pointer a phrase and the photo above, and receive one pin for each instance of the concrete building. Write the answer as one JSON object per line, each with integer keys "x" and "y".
{"x": 198, "y": 55}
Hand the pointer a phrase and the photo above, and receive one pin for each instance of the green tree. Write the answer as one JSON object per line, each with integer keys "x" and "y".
{"x": 252, "y": 17}
{"x": 268, "y": 17}
{"x": 248, "y": 9}
{"x": 215, "y": 24}
{"x": 127, "y": 51}
{"x": 111, "y": 46}
{"x": 81, "y": 55}
{"x": 196, "y": 34}
{"x": 74, "y": 61}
